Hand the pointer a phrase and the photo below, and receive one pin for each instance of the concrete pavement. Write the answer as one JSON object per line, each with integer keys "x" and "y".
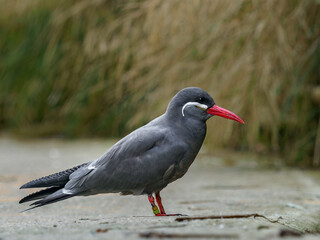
{"x": 223, "y": 184}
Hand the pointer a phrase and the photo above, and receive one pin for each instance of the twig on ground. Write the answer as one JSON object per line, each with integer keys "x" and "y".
{"x": 254, "y": 215}
{"x": 186, "y": 235}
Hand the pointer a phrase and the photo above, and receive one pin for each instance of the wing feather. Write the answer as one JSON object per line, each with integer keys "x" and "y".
{"x": 138, "y": 161}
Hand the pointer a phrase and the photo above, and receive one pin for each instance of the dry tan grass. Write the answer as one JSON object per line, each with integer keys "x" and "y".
{"x": 245, "y": 53}
{"x": 249, "y": 55}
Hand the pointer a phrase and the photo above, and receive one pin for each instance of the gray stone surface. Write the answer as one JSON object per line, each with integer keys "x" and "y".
{"x": 224, "y": 184}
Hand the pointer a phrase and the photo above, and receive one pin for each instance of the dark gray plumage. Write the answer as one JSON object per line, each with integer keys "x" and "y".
{"x": 143, "y": 162}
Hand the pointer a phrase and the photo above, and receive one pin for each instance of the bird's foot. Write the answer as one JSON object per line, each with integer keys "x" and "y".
{"x": 168, "y": 215}
{"x": 155, "y": 209}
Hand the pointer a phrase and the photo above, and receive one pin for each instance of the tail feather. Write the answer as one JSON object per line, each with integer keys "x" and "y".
{"x": 54, "y": 180}
{"x": 54, "y": 184}
{"x": 52, "y": 198}
{"x": 40, "y": 194}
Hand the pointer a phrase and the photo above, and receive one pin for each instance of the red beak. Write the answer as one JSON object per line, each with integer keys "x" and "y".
{"x": 218, "y": 111}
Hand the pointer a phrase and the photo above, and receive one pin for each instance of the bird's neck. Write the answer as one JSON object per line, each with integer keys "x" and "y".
{"x": 192, "y": 131}
{"x": 196, "y": 130}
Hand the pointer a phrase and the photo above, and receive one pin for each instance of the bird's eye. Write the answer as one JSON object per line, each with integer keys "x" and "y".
{"x": 200, "y": 99}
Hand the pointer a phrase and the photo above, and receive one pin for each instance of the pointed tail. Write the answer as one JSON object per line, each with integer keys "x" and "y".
{"x": 57, "y": 179}
{"x": 40, "y": 194}
{"x": 52, "y": 198}
{"x": 54, "y": 184}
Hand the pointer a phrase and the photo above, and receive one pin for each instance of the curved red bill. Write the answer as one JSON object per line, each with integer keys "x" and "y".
{"x": 219, "y": 111}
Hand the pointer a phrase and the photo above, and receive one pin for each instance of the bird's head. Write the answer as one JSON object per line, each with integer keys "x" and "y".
{"x": 196, "y": 103}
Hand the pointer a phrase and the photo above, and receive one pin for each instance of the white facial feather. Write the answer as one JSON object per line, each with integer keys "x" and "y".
{"x": 199, "y": 105}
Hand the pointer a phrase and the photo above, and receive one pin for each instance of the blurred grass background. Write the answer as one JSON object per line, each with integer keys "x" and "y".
{"x": 104, "y": 67}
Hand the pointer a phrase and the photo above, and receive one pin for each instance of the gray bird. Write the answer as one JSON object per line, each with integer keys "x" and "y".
{"x": 143, "y": 162}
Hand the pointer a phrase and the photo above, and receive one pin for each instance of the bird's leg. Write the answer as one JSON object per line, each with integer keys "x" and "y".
{"x": 153, "y": 205}
{"x": 155, "y": 208}
{"x": 158, "y": 198}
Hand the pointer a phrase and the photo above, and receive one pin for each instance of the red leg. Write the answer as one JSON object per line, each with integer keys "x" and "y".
{"x": 153, "y": 205}
{"x": 158, "y": 198}
{"x": 155, "y": 208}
